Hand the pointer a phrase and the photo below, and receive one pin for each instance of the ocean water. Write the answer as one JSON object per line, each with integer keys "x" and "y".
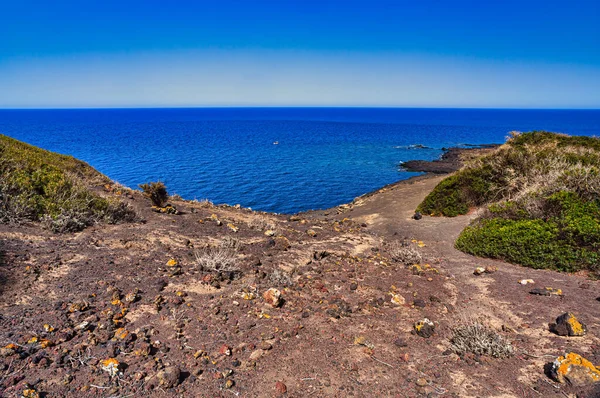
{"x": 324, "y": 156}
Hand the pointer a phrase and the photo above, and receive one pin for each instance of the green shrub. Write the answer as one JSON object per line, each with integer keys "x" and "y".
{"x": 38, "y": 185}
{"x": 156, "y": 192}
{"x": 542, "y": 193}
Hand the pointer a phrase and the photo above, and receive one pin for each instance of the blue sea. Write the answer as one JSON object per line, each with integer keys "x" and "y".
{"x": 282, "y": 160}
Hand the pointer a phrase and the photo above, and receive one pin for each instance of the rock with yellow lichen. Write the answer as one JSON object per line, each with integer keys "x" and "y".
{"x": 546, "y": 291}
{"x": 574, "y": 369}
{"x": 111, "y": 366}
{"x": 79, "y": 306}
{"x": 397, "y": 299}
{"x": 233, "y": 227}
{"x": 424, "y": 328}
{"x": 168, "y": 209}
{"x": 273, "y": 297}
{"x": 568, "y": 325}
{"x": 30, "y": 393}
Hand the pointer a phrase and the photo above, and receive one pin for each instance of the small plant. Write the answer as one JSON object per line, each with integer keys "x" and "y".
{"x": 217, "y": 259}
{"x": 156, "y": 192}
{"x": 475, "y": 338}
{"x": 404, "y": 253}
{"x": 261, "y": 223}
{"x": 229, "y": 242}
{"x": 280, "y": 277}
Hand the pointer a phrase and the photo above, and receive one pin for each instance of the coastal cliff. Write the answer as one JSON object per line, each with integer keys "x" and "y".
{"x": 204, "y": 300}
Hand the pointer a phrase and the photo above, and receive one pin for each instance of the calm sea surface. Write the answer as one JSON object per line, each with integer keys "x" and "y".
{"x": 324, "y": 156}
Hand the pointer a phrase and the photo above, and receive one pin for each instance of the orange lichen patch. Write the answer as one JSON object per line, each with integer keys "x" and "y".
{"x": 48, "y": 328}
{"x": 120, "y": 314}
{"x": 32, "y": 340}
{"x": 111, "y": 365}
{"x": 232, "y": 227}
{"x": 180, "y": 293}
{"x": 116, "y": 302}
{"x": 45, "y": 343}
{"x": 564, "y": 367}
{"x": 79, "y": 306}
{"x": 121, "y": 334}
{"x": 11, "y": 346}
{"x": 172, "y": 262}
{"x": 248, "y": 296}
{"x": 30, "y": 393}
{"x": 576, "y": 326}
{"x": 418, "y": 269}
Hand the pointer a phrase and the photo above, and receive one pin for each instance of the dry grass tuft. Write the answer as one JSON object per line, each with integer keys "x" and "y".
{"x": 405, "y": 253}
{"x": 222, "y": 258}
{"x": 475, "y": 338}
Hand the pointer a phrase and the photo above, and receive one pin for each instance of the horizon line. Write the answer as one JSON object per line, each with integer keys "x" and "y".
{"x": 293, "y": 107}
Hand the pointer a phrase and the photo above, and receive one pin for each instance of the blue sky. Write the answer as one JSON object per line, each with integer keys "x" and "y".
{"x": 531, "y": 54}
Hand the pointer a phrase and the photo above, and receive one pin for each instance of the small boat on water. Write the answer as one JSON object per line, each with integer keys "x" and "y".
{"x": 276, "y": 143}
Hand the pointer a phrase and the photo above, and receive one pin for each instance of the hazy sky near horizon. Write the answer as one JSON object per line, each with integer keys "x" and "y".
{"x": 530, "y": 54}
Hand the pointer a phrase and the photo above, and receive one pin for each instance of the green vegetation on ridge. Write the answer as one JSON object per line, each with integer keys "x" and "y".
{"x": 39, "y": 185}
{"x": 542, "y": 196}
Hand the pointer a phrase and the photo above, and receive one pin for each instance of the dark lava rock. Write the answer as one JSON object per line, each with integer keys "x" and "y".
{"x": 419, "y": 303}
{"x": 169, "y": 376}
{"x": 568, "y": 325}
{"x": 424, "y": 328}
{"x": 417, "y": 215}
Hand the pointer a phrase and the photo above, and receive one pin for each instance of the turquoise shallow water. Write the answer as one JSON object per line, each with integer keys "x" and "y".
{"x": 324, "y": 156}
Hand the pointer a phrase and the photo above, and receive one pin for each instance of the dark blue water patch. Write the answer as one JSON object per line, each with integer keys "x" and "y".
{"x": 323, "y": 156}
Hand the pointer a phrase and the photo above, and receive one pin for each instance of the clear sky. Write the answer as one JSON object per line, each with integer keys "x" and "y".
{"x": 419, "y": 53}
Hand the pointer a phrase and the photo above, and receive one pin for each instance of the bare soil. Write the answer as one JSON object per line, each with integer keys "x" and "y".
{"x": 345, "y": 328}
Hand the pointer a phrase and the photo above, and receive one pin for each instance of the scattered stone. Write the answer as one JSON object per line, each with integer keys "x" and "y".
{"x": 420, "y": 303}
{"x": 225, "y": 350}
{"x": 490, "y": 269}
{"x": 311, "y": 233}
{"x": 479, "y": 271}
{"x": 417, "y": 215}
{"x": 280, "y": 387}
{"x": 546, "y": 291}
{"x": 397, "y": 299}
{"x": 270, "y": 232}
{"x": 353, "y": 286}
{"x": 568, "y": 325}
{"x": 424, "y": 328}
{"x": 400, "y": 342}
{"x": 256, "y": 354}
{"x": 421, "y": 382}
{"x": 79, "y": 306}
{"x": 574, "y": 369}
{"x": 320, "y": 255}
{"x": 233, "y": 227}
{"x": 526, "y": 281}
{"x": 169, "y": 376}
{"x": 273, "y": 297}
{"x": 229, "y": 383}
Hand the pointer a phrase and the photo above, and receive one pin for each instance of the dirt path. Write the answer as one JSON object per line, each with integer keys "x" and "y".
{"x": 496, "y": 298}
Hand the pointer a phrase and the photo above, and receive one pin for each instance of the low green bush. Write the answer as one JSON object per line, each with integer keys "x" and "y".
{"x": 156, "y": 192}
{"x": 541, "y": 192}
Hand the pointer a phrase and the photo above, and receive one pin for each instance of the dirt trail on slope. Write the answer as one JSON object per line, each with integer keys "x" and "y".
{"x": 496, "y": 298}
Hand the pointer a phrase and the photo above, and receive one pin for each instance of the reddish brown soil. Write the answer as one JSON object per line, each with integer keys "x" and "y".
{"x": 337, "y": 334}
